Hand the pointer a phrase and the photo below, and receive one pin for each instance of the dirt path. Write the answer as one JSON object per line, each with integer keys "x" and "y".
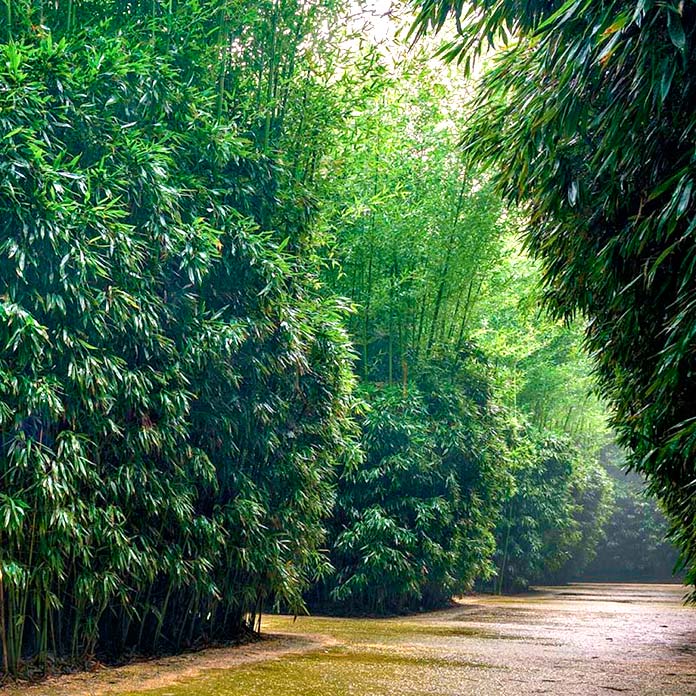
{"x": 580, "y": 640}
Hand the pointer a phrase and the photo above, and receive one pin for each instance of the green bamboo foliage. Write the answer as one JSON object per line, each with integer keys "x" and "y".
{"x": 587, "y": 112}
{"x": 414, "y": 522}
{"x": 174, "y": 390}
{"x": 455, "y": 491}
{"x": 635, "y": 531}
{"x": 449, "y": 445}
{"x": 419, "y": 234}
{"x": 552, "y": 522}
{"x": 178, "y": 182}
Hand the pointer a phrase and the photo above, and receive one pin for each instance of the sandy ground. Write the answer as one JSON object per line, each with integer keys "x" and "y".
{"x": 578, "y": 640}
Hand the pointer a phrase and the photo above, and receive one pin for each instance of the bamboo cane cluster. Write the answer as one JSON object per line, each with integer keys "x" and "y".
{"x": 173, "y": 391}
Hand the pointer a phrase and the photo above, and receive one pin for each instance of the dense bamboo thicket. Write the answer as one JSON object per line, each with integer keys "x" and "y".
{"x": 175, "y": 391}
{"x": 414, "y": 523}
{"x": 479, "y": 440}
{"x": 587, "y": 115}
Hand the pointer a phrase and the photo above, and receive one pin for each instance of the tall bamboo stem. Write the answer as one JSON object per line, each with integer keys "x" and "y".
{"x": 3, "y": 633}
{"x": 8, "y": 18}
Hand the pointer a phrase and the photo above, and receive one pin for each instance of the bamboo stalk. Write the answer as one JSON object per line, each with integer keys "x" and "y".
{"x": 505, "y": 552}
{"x": 222, "y": 41}
{"x": 271, "y": 76}
{"x": 22, "y": 615}
{"x": 160, "y": 619}
{"x": 8, "y": 18}
{"x": 3, "y": 630}
{"x": 445, "y": 267}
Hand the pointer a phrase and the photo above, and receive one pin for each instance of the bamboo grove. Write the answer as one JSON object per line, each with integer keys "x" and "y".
{"x": 602, "y": 157}
{"x": 266, "y": 338}
{"x": 175, "y": 388}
